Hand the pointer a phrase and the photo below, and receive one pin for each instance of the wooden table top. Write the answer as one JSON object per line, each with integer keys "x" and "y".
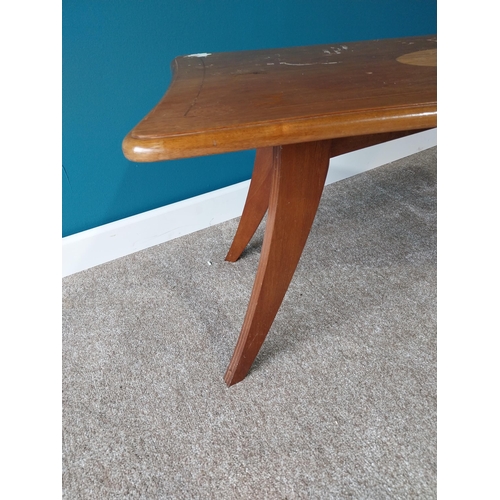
{"x": 233, "y": 101}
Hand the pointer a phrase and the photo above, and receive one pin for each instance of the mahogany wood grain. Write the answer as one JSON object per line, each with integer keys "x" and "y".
{"x": 256, "y": 203}
{"x": 232, "y": 101}
{"x": 299, "y": 173}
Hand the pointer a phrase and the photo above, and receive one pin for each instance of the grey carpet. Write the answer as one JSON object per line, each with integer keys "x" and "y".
{"x": 341, "y": 401}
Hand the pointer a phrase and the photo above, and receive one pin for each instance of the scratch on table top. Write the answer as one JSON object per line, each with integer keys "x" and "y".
{"x": 199, "y": 90}
{"x": 338, "y": 50}
{"x": 308, "y": 64}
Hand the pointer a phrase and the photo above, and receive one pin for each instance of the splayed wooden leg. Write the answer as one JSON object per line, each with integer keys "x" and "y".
{"x": 256, "y": 203}
{"x": 298, "y": 177}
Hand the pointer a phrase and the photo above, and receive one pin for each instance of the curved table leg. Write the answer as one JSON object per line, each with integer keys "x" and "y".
{"x": 298, "y": 177}
{"x": 256, "y": 203}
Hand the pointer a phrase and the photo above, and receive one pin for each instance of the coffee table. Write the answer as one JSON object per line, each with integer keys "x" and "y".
{"x": 298, "y": 106}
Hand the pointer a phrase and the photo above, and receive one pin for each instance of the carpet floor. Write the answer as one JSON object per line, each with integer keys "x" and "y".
{"x": 341, "y": 401}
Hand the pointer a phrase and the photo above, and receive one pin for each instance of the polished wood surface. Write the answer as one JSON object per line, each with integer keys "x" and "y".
{"x": 256, "y": 203}
{"x": 298, "y": 177}
{"x": 232, "y": 101}
{"x": 299, "y": 107}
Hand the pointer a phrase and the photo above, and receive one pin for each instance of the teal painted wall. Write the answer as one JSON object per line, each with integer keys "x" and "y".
{"x": 116, "y": 66}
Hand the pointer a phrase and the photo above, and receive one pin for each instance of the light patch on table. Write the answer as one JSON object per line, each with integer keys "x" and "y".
{"x": 201, "y": 54}
{"x": 420, "y": 58}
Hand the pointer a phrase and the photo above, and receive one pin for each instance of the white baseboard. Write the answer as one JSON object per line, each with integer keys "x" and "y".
{"x": 108, "y": 242}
